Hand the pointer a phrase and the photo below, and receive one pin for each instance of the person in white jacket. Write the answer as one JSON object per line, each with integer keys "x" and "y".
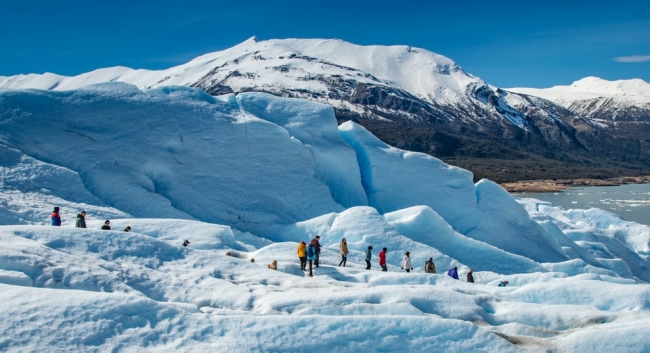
{"x": 406, "y": 262}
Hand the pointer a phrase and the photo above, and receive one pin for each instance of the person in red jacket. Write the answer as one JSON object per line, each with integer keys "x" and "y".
{"x": 56, "y": 218}
{"x": 382, "y": 259}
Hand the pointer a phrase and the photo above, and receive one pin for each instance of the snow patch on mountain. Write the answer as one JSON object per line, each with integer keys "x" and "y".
{"x": 627, "y": 92}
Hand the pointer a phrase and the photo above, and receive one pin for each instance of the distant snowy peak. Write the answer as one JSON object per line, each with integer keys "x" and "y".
{"x": 628, "y": 92}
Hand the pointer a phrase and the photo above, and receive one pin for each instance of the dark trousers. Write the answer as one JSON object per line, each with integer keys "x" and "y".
{"x": 344, "y": 259}
{"x": 303, "y": 262}
{"x": 408, "y": 270}
{"x": 367, "y": 264}
{"x": 316, "y": 261}
{"x": 310, "y": 273}
{"x": 384, "y": 268}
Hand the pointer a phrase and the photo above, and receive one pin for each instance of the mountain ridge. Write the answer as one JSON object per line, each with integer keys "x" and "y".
{"x": 410, "y": 98}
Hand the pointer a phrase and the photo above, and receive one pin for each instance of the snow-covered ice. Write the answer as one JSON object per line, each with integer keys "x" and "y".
{"x": 252, "y": 175}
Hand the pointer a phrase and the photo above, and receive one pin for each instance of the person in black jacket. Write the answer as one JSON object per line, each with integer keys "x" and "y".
{"x": 470, "y": 276}
{"x": 107, "y": 225}
{"x": 317, "y": 245}
{"x": 81, "y": 220}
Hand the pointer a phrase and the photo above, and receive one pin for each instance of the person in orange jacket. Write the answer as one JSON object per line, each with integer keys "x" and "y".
{"x": 302, "y": 250}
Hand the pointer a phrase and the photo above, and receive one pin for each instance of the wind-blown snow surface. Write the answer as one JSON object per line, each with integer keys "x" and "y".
{"x": 253, "y": 175}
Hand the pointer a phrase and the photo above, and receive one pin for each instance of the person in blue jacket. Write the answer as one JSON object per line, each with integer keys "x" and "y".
{"x": 56, "y": 218}
{"x": 453, "y": 273}
{"x": 312, "y": 254}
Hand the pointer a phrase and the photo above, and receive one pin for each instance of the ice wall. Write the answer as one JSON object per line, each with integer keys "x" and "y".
{"x": 395, "y": 179}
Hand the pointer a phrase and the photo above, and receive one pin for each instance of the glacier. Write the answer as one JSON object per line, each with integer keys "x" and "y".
{"x": 249, "y": 176}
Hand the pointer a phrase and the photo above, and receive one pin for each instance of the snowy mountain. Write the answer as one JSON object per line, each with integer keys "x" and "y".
{"x": 622, "y": 106}
{"x": 252, "y": 175}
{"x": 409, "y": 97}
{"x": 403, "y": 80}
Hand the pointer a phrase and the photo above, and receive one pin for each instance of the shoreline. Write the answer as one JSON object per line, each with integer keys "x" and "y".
{"x": 562, "y": 184}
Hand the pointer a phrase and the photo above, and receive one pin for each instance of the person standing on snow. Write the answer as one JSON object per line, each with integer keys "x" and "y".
{"x": 311, "y": 256}
{"x": 368, "y": 257}
{"x": 382, "y": 259}
{"x": 81, "y": 220}
{"x": 406, "y": 262}
{"x": 316, "y": 243}
{"x": 344, "y": 252}
{"x": 429, "y": 266}
{"x": 107, "y": 225}
{"x": 453, "y": 273}
{"x": 470, "y": 276}
{"x": 56, "y": 218}
{"x": 302, "y": 249}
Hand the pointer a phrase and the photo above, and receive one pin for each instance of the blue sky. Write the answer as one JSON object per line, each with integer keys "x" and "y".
{"x": 506, "y": 43}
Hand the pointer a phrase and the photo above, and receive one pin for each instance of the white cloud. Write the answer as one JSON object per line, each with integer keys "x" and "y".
{"x": 632, "y": 59}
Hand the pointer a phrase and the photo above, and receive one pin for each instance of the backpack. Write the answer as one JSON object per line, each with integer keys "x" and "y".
{"x": 311, "y": 251}
{"x": 430, "y": 266}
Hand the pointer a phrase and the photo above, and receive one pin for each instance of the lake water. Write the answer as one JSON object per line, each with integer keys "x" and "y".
{"x": 632, "y": 201}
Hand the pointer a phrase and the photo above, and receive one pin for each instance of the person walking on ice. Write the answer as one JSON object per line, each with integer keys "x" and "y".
{"x": 470, "y": 276}
{"x": 311, "y": 256}
{"x": 56, "y": 218}
{"x": 382, "y": 259}
{"x": 453, "y": 273}
{"x": 81, "y": 220}
{"x": 316, "y": 243}
{"x": 344, "y": 252}
{"x": 368, "y": 257}
{"x": 107, "y": 225}
{"x": 406, "y": 262}
{"x": 429, "y": 266}
{"x": 302, "y": 250}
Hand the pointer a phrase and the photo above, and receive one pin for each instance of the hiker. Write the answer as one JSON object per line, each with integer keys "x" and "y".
{"x": 429, "y": 266}
{"x": 302, "y": 249}
{"x": 503, "y": 283}
{"x": 344, "y": 252}
{"x": 56, "y": 218}
{"x": 368, "y": 257}
{"x": 316, "y": 243}
{"x": 382, "y": 259}
{"x": 311, "y": 256}
{"x": 127, "y": 229}
{"x": 453, "y": 273}
{"x": 252, "y": 260}
{"x": 406, "y": 262}
{"x": 107, "y": 225}
{"x": 81, "y": 220}
{"x": 470, "y": 276}
{"x": 186, "y": 243}
{"x": 273, "y": 265}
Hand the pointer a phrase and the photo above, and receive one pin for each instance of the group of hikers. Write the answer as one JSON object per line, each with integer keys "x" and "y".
{"x": 81, "y": 222}
{"x": 311, "y": 254}
{"x": 307, "y": 253}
